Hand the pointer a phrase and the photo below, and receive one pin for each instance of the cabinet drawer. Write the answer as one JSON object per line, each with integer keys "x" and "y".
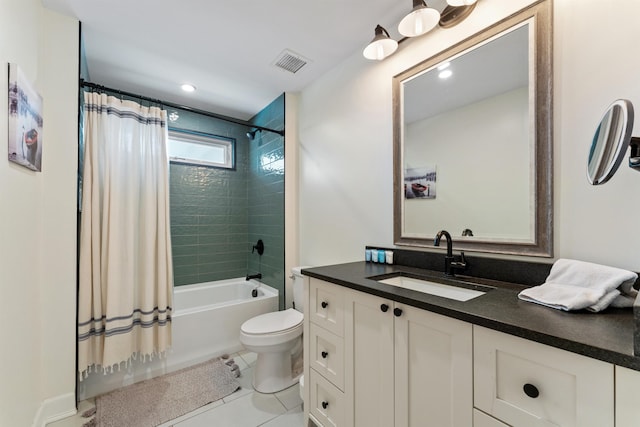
{"x": 525, "y": 383}
{"x": 480, "y": 419}
{"x": 326, "y": 306}
{"x": 327, "y": 355}
{"x": 326, "y": 401}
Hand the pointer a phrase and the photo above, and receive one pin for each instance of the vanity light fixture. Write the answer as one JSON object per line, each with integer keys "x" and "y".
{"x": 419, "y": 21}
{"x": 381, "y": 46}
{"x": 188, "y": 87}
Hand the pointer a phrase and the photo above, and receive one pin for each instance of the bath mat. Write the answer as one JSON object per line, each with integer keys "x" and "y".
{"x": 152, "y": 402}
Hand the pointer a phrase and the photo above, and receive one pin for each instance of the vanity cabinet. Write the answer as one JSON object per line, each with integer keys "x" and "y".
{"x": 524, "y": 383}
{"x": 391, "y": 364}
{"x": 627, "y": 392}
{"x": 374, "y": 362}
{"x": 409, "y": 367}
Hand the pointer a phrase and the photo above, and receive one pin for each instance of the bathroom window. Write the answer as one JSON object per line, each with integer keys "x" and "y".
{"x": 201, "y": 149}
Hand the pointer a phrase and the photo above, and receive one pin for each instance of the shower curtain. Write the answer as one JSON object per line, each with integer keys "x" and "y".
{"x": 126, "y": 276}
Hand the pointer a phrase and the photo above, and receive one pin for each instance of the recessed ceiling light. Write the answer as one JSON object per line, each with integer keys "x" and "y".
{"x": 444, "y": 66}
{"x": 445, "y": 74}
{"x": 188, "y": 87}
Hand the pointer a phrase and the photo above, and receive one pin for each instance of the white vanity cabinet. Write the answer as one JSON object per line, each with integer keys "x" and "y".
{"x": 524, "y": 383}
{"x": 373, "y": 362}
{"x": 627, "y": 394}
{"x": 403, "y": 366}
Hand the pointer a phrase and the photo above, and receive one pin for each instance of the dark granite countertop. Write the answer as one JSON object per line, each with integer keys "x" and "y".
{"x": 607, "y": 336}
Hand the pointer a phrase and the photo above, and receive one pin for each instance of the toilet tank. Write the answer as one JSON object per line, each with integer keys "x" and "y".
{"x": 298, "y": 288}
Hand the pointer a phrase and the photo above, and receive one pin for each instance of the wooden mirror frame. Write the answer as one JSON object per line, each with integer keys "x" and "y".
{"x": 542, "y": 244}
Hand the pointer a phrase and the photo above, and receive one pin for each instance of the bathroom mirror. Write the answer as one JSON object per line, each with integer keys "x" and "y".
{"x": 610, "y": 142}
{"x": 473, "y": 141}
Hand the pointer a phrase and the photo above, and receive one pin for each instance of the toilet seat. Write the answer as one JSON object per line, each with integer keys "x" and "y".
{"x": 271, "y": 329}
{"x": 273, "y": 323}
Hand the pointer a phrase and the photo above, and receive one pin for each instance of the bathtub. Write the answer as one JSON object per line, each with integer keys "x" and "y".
{"x": 205, "y": 324}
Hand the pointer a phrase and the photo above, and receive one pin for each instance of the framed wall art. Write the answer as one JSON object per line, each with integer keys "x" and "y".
{"x": 25, "y": 121}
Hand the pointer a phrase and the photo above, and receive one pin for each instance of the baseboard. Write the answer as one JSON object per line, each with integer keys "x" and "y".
{"x": 55, "y": 409}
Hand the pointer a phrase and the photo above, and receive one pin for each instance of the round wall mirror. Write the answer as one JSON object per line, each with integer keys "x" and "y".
{"x": 610, "y": 142}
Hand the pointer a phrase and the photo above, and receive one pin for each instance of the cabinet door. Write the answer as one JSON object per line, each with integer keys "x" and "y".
{"x": 369, "y": 359}
{"x": 627, "y": 392}
{"x": 433, "y": 370}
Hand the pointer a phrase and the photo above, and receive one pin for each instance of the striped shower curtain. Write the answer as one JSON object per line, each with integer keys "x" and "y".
{"x": 126, "y": 276}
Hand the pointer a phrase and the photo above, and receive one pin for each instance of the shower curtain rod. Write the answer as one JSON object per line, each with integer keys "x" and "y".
{"x": 84, "y": 83}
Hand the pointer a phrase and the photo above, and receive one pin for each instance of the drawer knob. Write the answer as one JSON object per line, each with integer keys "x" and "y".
{"x": 325, "y": 404}
{"x": 531, "y": 390}
{"x": 397, "y": 312}
{"x": 324, "y": 354}
{"x": 324, "y": 304}
{"x": 384, "y": 308}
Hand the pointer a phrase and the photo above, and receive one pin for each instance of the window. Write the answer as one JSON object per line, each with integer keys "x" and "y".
{"x": 201, "y": 149}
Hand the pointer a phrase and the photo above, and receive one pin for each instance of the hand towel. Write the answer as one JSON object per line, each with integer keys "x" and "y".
{"x": 576, "y": 285}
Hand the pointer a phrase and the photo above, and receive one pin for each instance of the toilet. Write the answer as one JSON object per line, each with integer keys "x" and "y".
{"x": 276, "y": 338}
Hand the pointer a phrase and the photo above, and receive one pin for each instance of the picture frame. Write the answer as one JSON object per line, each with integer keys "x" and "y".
{"x": 420, "y": 183}
{"x": 25, "y": 121}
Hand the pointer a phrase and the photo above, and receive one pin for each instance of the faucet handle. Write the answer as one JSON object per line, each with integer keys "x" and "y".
{"x": 461, "y": 264}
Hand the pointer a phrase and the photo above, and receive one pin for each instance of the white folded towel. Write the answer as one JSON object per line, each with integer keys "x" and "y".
{"x": 575, "y": 285}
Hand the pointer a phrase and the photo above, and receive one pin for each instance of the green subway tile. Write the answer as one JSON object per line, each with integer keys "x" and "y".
{"x": 180, "y": 271}
{"x": 185, "y": 250}
{"x": 183, "y": 219}
{"x": 184, "y": 230}
{"x": 185, "y": 280}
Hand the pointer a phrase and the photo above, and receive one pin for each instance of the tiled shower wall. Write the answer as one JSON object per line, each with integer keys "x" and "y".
{"x": 266, "y": 196}
{"x": 217, "y": 215}
{"x": 209, "y": 218}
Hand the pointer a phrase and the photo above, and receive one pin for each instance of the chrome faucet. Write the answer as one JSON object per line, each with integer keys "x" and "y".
{"x": 450, "y": 263}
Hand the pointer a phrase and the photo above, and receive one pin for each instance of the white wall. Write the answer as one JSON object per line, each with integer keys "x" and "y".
{"x": 346, "y": 137}
{"x": 37, "y": 243}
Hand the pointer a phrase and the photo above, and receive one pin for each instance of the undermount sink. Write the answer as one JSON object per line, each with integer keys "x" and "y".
{"x": 456, "y": 292}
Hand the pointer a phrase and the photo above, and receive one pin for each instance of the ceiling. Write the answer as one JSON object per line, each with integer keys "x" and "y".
{"x": 496, "y": 67}
{"x": 227, "y": 49}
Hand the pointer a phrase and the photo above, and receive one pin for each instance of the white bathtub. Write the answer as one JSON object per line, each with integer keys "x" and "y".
{"x": 205, "y": 324}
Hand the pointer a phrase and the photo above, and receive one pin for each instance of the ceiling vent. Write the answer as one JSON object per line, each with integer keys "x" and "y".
{"x": 290, "y": 61}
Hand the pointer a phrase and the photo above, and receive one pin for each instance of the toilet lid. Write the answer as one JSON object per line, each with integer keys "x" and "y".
{"x": 268, "y": 323}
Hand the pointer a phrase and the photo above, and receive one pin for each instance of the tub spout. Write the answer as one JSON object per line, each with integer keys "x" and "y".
{"x": 254, "y": 276}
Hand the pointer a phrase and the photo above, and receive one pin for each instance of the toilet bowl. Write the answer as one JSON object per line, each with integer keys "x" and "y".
{"x": 276, "y": 338}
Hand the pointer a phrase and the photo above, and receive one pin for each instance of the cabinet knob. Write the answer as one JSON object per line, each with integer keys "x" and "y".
{"x": 384, "y": 308}
{"x": 397, "y": 312}
{"x": 325, "y": 404}
{"x": 324, "y": 354}
{"x": 324, "y": 304}
{"x": 531, "y": 390}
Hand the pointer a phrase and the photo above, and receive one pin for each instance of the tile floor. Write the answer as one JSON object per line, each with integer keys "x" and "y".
{"x": 244, "y": 408}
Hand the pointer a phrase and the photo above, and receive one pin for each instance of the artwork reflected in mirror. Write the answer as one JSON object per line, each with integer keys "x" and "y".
{"x": 481, "y": 112}
{"x": 420, "y": 183}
